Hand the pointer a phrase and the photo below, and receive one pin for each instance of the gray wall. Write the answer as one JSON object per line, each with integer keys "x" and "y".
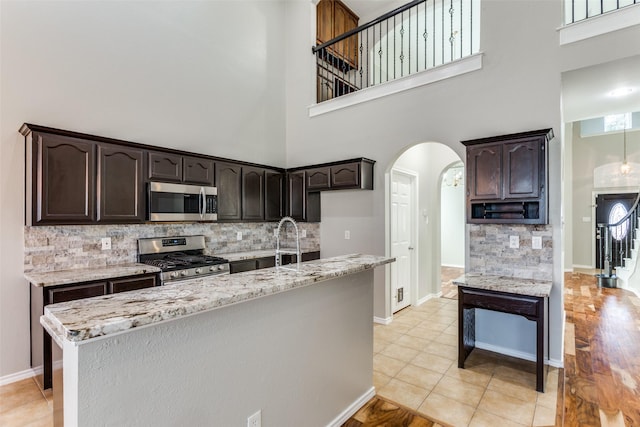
{"x": 198, "y": 76}
{"x": 428, "y": 160}
{"x": 302, "y": 357}
{"x": 588, "y": 154}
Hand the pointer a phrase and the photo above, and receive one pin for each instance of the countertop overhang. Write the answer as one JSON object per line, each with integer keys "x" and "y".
{"x": 88, "y": 274}
{"x": 510, "y": 285}
{"x": 84, "y": 319}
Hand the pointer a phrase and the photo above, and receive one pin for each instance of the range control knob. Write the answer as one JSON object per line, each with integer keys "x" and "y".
{"x": 184, "y": 272}
{"x": 198, "y": 270}
{"x": 212, "y": 268}
{"x": 174, "y": 274}
{"x": 220, "y": 267}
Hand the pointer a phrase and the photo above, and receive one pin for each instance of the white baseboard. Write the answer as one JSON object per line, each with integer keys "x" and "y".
{"x": 518, "y": 354}
{"x": 586, "y": 267}
{"x": 427, "y": 298}
{"x": 18, "y": 376}
{"x": 452, "y": 266}
{"x": 353, "y": 408}
{"x": 383, "y": 320}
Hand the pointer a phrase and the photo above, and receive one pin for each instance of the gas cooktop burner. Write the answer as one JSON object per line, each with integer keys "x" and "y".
{"x": 180, "y": 257}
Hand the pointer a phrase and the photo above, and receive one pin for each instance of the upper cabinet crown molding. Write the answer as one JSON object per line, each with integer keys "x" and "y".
{"x": 507, "y": 178}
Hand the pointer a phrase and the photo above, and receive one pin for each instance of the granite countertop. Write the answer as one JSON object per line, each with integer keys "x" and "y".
{"x": 241, "y": 256}
{"x": 109, "y": 314}
{"x": 511, "y": 285}
{"x": 87, "y": 274}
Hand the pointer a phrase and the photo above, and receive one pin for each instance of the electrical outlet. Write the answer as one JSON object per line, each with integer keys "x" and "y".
{"x": 255, "y": 420}
{"x": 536, "y": 242}
{"x": 514, "y": 242}
{"x": 347, "y": 234}
{"x": 303, "y": 233}
{"x": 275, "y": 232}
{"x": 106, "y": 243}
{"x": 239, "y": 235}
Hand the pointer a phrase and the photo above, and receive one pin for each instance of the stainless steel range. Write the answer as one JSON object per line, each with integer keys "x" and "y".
{"x": 180, "y": 258}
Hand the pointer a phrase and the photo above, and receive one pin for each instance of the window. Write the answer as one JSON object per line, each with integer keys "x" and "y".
{"x": 617, "y": 212}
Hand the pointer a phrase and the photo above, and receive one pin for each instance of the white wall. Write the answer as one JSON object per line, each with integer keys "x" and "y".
{"x": 453, "y": 221}
{"x": 198, "y": 76}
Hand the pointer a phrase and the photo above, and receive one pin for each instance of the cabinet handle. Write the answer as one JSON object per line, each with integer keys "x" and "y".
{"x": 203, "y": 202}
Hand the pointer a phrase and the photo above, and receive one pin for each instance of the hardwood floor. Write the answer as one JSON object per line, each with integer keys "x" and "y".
{"x": 602, "y": 354}
{"x": 601, "y": 384}
{"x": 382, "y": 412}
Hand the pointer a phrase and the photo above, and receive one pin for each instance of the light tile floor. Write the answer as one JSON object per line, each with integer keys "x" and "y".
{"x": 415, "y": 364}
{"x": 22, "y": 404}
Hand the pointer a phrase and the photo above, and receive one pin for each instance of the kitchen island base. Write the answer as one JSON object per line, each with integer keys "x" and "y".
{"x": 302, "y": 357}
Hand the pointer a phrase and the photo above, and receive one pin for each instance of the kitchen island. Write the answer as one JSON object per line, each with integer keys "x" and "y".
{"x": 296, "y": 345}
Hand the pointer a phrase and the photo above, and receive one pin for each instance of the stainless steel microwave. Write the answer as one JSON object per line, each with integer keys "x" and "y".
{"x": 180, "y": 202}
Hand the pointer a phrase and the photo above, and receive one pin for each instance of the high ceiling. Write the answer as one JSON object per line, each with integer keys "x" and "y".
{"x": 586, "y": 93}
{"x": 371, "y": 9}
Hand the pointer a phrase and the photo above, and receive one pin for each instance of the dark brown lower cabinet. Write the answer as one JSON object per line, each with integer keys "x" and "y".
{"x": 268, "y": 261}
{"x": 306, "y": 256}
{"x": 41, "y": 343}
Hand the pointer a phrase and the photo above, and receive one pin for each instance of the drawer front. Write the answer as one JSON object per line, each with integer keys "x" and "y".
{"x": 131, "y": 284}
{"x": 71, "y": 293}
{"x": 525, "y": 306}
{"x": 266, "y": 262}
{"x": 241, "y": 266}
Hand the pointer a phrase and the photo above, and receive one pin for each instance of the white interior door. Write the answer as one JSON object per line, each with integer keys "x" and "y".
{"x": 402, "y": 193}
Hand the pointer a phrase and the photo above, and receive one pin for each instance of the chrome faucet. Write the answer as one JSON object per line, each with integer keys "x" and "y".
{"x": 287, "y": 251}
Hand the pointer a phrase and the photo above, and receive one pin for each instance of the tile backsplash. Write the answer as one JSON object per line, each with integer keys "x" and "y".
{"x": 490, "y": 253}
{"x": 52, "y": 248}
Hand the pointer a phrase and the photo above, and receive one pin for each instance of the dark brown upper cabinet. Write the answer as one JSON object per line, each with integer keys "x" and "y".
{"x": 229, "y": 184}
{"x": 120, "y": 184}
{"x": 318, "y": 179}
{"x": 171, "y": 167}
{"x": 507, "y": 178}
{"x": 60, "y": 179}
{"x": 165, "y": 166}
{"x": 252, "y": 193}
{"x": 198, "y": 170}
{"x": 274, "y": 195}
{"x": 346, "y": 175}
{"x": 296, "y": 196}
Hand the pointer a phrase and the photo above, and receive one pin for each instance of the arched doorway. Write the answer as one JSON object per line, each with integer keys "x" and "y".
{"x": 427, "y": 162}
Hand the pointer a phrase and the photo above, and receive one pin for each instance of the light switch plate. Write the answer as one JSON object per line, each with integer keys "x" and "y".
{"x": 536, "y": 242}
{"x": 303, "y": 233}
{"x": 239, "y": 235}
{"x": 514, "y": 242}
{"x": 106, "y": 243}
{"x": 347, "y": 234}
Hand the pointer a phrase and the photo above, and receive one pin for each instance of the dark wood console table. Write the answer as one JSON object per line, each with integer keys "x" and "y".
{"x": 524, "y": 297}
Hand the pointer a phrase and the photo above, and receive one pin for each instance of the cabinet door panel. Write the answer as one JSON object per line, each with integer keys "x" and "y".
{"x": 521, "y": 165}
{"x": 318, "y": 179}
{"x": 266, "y": 262}
{"x": 345, "y": 176}
{"x": 198, "y": 170}
{"x": 71, "y": 293}
{"x": 65, "y": 180}
{"x": 229, "y": 184}
{"x": 165, "y": 166}
{"x": 484, "y": 172}
{"x": 297, "y": 195}
{"x": 242, "y": 266}
{"x": 131, "y": 284}
{"x": 252, "y": 193}
{"x": 120, "y": 184}
{"x": 324, "y": 21}
{"x": 274, "y": 196}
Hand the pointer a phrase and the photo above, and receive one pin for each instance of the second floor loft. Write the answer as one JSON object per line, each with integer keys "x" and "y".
{"x": 425, "y": 35}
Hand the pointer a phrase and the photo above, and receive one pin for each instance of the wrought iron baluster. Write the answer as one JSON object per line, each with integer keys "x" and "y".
{"x": 451, "y": 37}
{"x": 461, "y": 44}
{"x": 387, "y": 53}
{"x": 402, "y": 45}
{"x": 394, "y": 47}
{"x": 380, "y": 50}
{"x": 424, "y": 35}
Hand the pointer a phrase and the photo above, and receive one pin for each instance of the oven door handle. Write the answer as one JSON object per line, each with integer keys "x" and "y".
{"x": 203, "y": 202}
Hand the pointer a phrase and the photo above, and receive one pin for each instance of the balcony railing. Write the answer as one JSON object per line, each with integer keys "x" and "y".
{"x": 579, "y": 10}
{"x": 418, "y": 36}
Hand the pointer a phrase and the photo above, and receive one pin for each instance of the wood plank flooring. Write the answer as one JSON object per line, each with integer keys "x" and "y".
{"x": 602, "y": 354}
{"x": 382, "y": 412}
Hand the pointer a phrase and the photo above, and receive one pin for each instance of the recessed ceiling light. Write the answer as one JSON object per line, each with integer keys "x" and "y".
{"x": 623, "y": 91}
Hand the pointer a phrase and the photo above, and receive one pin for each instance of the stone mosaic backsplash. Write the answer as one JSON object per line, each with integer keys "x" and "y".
{"x": 56, "y": 248}
{"x": 489, "y": 251}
